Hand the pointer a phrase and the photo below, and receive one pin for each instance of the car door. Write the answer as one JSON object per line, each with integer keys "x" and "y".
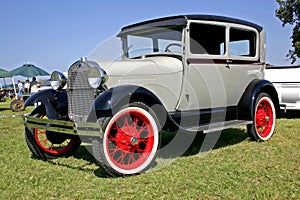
{"x": 216, "y": 72}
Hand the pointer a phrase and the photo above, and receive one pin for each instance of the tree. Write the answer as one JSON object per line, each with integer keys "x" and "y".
{"x": 289, "y": 13}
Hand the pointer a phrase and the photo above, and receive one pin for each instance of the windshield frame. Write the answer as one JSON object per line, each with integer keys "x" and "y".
{"x": 158, "y": 35}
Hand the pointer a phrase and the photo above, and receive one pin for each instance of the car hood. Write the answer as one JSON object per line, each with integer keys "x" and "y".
{"x": 158, "y": 65}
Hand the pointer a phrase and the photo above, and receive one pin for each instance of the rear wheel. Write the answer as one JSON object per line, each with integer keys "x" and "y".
{"x": 46, "y": 144}
{"x": 264, "y": 119}
{"x": 130, "y": 141}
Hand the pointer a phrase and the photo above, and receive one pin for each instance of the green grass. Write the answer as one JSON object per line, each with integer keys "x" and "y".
{"x": 235, "y": 169}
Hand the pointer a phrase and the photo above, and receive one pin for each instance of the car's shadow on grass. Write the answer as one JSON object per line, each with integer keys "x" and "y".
{"x": 227, "y": 138}
{"x": 290, "y": 114}
{"x": 204, "y": 142}
{"x": 3, "y": 109}
{"x": 82, "y": 153}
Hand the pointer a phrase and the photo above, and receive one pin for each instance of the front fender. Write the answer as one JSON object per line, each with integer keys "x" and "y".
{"x": 247, "y": 102}
{"x": 41, "y": 96}
{"x": 52, "y": 100}
{"x": 110, "y": 101}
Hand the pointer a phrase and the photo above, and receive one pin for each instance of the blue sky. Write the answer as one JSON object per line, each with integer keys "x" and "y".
{"x": 53, "y": 34}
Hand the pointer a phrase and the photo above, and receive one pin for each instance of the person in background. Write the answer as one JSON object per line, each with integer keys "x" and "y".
{"x": 20, "y": 89}
{"x": 26, "y": 86}
{"x": 33, "y": 86}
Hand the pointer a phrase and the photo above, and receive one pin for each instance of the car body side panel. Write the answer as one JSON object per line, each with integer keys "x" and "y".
{"x": 218, "y": 85}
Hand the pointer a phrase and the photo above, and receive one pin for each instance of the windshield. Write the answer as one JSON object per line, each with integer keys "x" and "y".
{"x": 152, "y": 40}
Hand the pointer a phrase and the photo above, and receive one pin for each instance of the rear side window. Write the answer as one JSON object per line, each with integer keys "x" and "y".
{"x": 242, "y": 42}
{"x": 207, "y": 39}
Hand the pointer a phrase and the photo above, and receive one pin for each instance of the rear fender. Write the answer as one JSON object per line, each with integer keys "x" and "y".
{"x": 247, "y": 102}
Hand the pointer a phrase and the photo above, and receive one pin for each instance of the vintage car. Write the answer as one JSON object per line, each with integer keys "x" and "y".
{"x": 193, "y": 73}
{"x": 286, "y": 80}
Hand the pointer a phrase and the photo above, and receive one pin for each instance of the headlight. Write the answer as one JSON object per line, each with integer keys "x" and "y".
{"x": 58, "y": 80}
{"x": 97, "y": 76}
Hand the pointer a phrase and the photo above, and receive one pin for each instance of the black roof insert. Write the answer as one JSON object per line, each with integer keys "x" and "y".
{"x": 182, "y": 20}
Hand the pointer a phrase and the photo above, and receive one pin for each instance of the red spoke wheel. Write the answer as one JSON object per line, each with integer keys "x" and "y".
{"x": 53, "y": 143}
{"x": 130, "y": 141}
{"x": 46, "y": 145}
{"x": 264, "y": 118}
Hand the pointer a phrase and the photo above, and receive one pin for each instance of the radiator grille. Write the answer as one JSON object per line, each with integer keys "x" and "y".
{"x": 80, "y": 94}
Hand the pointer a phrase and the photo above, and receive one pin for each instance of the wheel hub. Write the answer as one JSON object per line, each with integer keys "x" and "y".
{"x": 126, "y": 140}
{"x": 134, "y": 141}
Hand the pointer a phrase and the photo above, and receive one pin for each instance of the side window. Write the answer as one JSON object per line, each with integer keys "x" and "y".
{"x": 169, "y": 45}
{"x": 242, "y": 42}
{"x": 207, "y": 39}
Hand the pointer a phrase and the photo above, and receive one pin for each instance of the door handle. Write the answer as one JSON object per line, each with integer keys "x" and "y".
{"x": 227, "y": 63}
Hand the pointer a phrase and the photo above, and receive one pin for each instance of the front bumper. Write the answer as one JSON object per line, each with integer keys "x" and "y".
{"x": 65, "y": 127}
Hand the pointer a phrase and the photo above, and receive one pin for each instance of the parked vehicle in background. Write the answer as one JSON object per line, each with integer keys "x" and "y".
{"x": 196, "y": 73}
{"x": 286, "y": 80}
{"x": 2, "y": 95}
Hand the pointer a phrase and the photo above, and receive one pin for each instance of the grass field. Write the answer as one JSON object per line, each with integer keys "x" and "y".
{"x": 235, "y": 169}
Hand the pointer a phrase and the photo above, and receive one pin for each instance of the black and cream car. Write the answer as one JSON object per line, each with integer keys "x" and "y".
{"x": 196, "y": 73}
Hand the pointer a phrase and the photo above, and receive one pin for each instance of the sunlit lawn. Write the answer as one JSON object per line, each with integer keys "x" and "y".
{"x": 235, "y": 169}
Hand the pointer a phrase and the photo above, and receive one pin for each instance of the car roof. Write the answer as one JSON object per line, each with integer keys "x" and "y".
{"x": 182, "y": 20}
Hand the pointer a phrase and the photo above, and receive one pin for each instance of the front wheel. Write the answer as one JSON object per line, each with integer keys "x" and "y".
{"x": 264, "y": 119}
{"x": 48, "y": 145}
{"x": 130, "y": 141}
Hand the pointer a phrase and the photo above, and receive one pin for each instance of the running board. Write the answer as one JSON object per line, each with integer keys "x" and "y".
{"x": 209, "y": 128}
